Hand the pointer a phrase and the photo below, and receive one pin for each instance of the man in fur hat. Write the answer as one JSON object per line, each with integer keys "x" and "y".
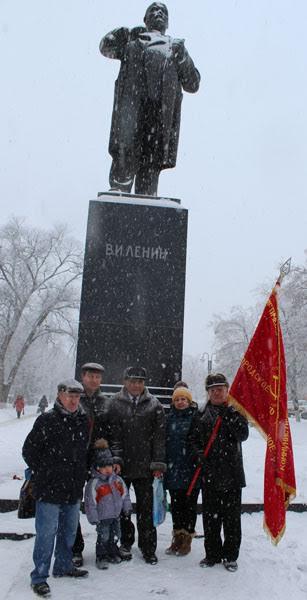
{"x": 223, "y": 474}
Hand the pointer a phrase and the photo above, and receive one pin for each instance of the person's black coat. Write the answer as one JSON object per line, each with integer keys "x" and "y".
{"x": 96, "y": 408}
{"x": 43, "y": 403}
{"x": 223, "y": 467}
{"x": 138, "y": 435}
{"x": 179, "y": 459}
{"x": 56, "y": 450}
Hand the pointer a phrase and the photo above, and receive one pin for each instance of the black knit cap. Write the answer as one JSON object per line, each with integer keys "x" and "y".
{"x": 215, "y": 379}
{"x": 180, "y": 384}
{"x": 103, "y": 458}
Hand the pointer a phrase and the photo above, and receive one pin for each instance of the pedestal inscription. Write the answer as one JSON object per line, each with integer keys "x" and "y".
{"x": 132, "y": 303}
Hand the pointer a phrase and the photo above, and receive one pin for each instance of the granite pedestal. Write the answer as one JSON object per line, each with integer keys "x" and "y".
{"x": 132, "y": 302}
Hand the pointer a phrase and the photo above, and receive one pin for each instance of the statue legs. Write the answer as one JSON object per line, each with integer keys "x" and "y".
{"x": 146, "y": 180}
{"x": 123, "y": 172}
{"x": 139, "y": 155}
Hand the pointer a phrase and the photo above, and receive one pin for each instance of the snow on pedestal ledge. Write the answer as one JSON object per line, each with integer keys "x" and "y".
{"x": 123, "y": 198}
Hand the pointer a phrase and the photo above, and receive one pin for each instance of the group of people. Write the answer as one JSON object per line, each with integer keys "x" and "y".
{"x": 19, "y": 405}
{"x": 126, "y": 441}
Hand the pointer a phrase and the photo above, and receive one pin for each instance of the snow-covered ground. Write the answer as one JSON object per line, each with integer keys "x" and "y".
{"x": 265, "y": 571}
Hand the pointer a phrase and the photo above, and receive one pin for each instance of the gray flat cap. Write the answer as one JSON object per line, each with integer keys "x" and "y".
{"x": 70, "y": 385}
{"x": 91, "y": 366}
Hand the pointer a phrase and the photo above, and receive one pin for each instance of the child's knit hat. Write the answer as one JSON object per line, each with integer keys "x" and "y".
{"x": 102, "y": 454}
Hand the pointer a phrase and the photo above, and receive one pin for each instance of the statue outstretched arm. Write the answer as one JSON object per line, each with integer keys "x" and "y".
{"x": 113, "y": 44}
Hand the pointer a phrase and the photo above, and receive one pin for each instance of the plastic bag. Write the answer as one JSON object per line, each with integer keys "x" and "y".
{"x": 159, "y": 502}
{"x": 26, "y": 504}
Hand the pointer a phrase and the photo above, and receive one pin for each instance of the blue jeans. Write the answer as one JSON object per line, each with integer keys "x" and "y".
{"x": 52, "y": 521}
{"x": 108, "y": 534}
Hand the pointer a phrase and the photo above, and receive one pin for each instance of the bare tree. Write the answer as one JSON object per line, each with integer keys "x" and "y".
{"x": 293, "y": 316}
{"x": 194, "y": 373}
{"x": 44, "y": 365}
{"x": 232, "y": 335}
{"x": 39, "y": 292}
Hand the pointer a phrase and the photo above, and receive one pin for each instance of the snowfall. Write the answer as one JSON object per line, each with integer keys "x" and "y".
{"x": 265, "y": 571}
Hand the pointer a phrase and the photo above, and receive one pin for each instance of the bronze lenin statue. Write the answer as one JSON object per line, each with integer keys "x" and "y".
{"x": 147, "y": 101}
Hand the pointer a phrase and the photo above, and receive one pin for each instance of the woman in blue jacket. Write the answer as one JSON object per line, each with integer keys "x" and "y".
{"x": 180, "y": 469}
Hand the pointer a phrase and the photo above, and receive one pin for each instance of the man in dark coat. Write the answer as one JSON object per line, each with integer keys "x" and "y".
{"x": 138, "y": 436}
{"x": 147, "y": 102}
{"x": 223, "y": 474}
{"x": 95, "y": 406}
{"x": 42, "y": 405}
{"x": 55, "y": 450}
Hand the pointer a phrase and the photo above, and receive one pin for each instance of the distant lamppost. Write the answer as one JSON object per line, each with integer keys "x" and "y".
{"x": 209, "y": 360}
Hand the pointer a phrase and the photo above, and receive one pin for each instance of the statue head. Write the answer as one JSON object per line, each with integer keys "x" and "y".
{"x": 156, "y": 17}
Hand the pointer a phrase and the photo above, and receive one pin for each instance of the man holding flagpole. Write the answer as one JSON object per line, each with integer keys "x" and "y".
{"x": 215, "y": 438}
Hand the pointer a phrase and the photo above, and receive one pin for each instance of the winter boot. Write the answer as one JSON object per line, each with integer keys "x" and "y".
{"x": 102, "y": 563}
{"x": 230, "y": 565}
{"x": 173, "y": 548}
{"x": 125, "y": 552}
{"x": 41, "y": 589}
{"x": 185, "y": 545}
{"x": 77, "y": 560}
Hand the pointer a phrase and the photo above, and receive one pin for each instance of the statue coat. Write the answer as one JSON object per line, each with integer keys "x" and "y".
{"x": 139, "y": 77}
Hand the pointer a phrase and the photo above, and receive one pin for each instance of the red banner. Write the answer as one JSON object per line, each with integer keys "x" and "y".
{"x": 259, "y": 392}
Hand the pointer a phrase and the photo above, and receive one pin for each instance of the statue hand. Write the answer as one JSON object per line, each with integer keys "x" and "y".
{"x": 135, "y": 32}
{"x": 178, "y": 49}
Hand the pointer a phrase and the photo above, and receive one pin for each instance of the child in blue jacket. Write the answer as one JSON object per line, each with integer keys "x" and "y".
{"x": 106, "y": 495}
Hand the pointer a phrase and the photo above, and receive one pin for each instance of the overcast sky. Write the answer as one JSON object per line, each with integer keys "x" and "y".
{"x": 241, "y": 167}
